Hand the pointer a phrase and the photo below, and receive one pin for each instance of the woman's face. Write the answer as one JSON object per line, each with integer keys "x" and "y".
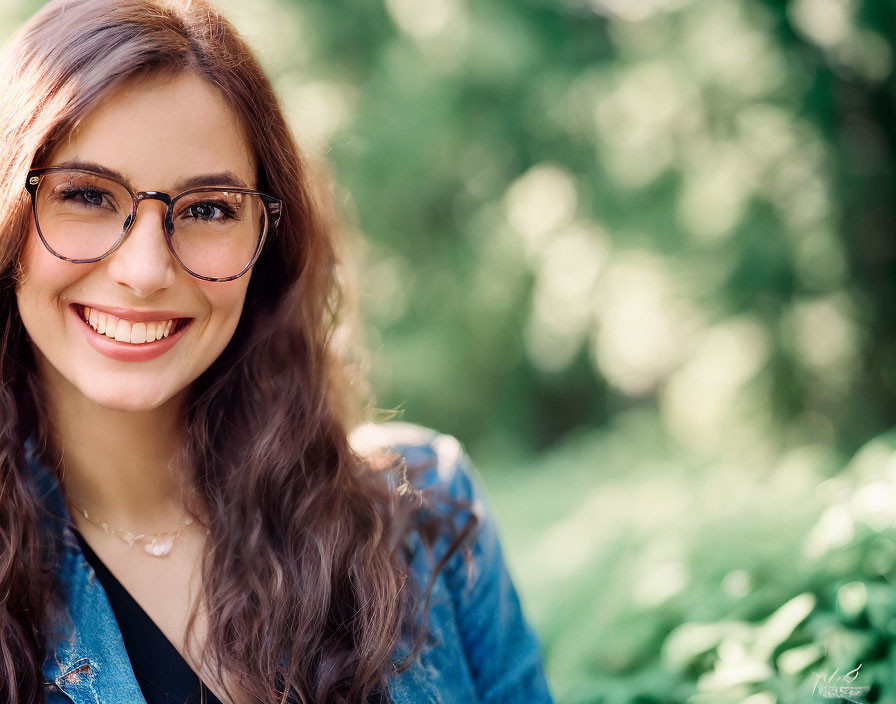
{"x": 158, "y": 133}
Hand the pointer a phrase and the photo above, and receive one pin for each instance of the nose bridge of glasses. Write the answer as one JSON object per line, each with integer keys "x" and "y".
{"x": 153, "y": 195}
{"x": 146, "y": 267}
{"x": 141, "y": 196}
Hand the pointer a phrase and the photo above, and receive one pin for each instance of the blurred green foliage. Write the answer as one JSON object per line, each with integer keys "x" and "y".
{"x": 639, "y": 256}
{"x": 576, "y": 208}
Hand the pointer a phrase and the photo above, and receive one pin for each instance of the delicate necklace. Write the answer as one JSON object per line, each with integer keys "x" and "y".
{"x": 155, "y": 544}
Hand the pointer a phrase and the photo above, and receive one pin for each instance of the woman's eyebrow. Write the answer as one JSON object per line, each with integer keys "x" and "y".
{"x": 219, "y": 178}
{"x": 91, "y": 166}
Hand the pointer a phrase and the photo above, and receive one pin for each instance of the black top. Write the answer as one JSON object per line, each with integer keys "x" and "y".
{"x": 163, "y": 675}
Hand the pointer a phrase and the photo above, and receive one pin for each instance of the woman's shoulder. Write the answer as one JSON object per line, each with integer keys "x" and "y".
{"x": 476, "y": 615}
{"x": 452, "y": 517}
{"x": 426, "y": 458}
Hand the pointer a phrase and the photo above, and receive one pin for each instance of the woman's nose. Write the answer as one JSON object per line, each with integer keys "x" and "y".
{"x": 142, "y": 261}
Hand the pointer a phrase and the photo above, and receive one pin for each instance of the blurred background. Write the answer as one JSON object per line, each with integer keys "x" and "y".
{"x": 639, "y": 257}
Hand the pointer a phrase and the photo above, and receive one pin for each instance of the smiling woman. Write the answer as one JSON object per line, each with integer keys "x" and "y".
{"x": 191, "y": 504}
{"x": 153, "y": 133}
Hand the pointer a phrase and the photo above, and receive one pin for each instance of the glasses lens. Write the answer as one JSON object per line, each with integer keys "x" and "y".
{"x": 81, "y": 215}
{"x": 217, "y": 232}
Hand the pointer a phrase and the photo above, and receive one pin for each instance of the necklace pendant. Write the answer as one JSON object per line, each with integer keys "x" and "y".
{"x": 159, "y": 547}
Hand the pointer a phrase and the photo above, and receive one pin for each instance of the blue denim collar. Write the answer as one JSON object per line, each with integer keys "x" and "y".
{"x": 86, "y": 657}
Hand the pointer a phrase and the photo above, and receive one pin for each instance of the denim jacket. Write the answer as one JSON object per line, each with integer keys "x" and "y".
{"x": 481, "y": 650}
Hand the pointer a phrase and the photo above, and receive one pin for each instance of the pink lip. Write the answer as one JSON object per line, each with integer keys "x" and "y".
{"x": 136, "y": 316}
{"x": 125, "y": 351}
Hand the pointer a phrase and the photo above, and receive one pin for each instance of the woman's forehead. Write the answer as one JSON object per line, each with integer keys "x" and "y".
{"x": 161, "y": 130}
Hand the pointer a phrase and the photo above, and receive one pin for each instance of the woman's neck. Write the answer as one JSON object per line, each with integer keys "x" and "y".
{"x": 119, "y": 465}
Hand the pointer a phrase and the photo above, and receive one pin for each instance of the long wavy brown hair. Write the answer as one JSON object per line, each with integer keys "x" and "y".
{"x": 305, "y": 581}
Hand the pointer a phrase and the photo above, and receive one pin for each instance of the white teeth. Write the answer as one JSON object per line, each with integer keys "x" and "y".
{"x": 124, "y": 330}
{"x": 111, "y": 326}
{"x": 138, "y": 333}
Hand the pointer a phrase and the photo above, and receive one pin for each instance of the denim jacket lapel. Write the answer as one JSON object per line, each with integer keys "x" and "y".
{"x": 86, "y": 657}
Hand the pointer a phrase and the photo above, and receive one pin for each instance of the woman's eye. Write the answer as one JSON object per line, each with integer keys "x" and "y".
{"x": 92, "y": 197}
{"x": 208, "y": 211}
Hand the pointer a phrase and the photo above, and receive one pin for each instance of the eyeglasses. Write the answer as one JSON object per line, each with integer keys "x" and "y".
{"x": 216, "y": 232}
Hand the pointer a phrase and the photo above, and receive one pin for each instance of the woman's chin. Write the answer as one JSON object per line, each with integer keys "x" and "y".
{"x": 130, "y": 401}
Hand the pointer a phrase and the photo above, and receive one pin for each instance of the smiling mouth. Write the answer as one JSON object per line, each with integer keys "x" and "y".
{"x": 123, "y": 330}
